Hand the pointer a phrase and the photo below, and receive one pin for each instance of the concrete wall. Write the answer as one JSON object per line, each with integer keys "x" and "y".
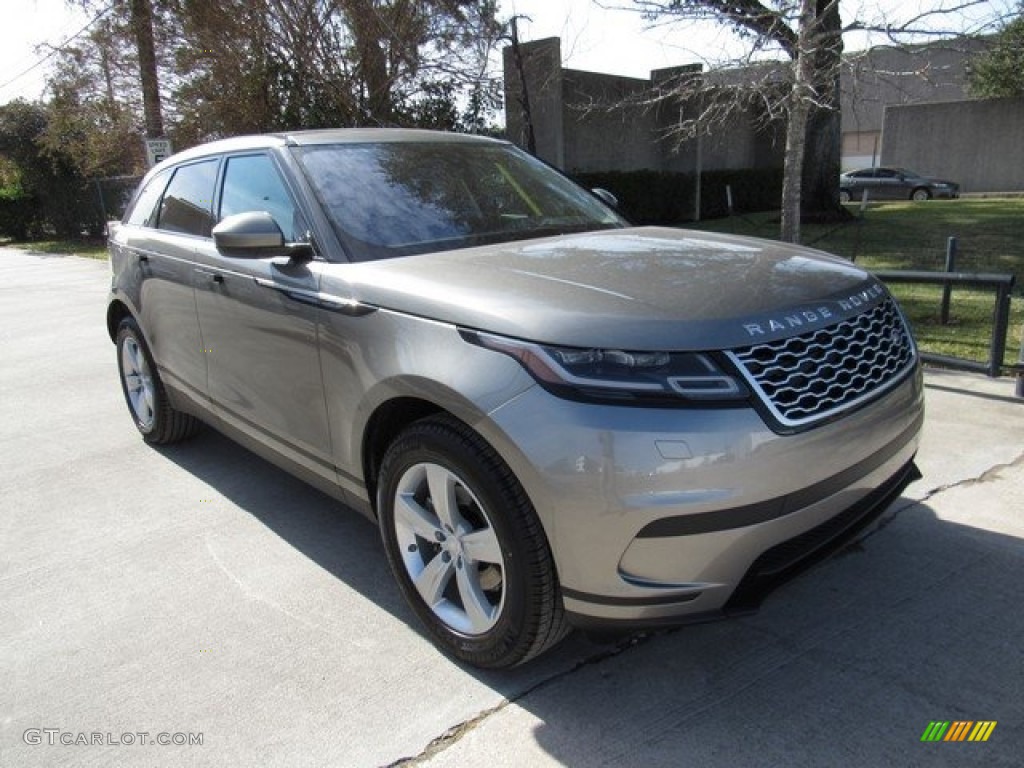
{"x": 542, "y": 68}
{"x": 884, "y": 76}
{"x": 977, "y": 143}
{"x": 606, "y": 126}
{"x": 587, "y": 121}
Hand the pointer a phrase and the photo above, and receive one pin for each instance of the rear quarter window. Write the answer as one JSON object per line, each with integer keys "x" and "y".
{"x": 187, "y": 205}
{"x": 143, "y": 212}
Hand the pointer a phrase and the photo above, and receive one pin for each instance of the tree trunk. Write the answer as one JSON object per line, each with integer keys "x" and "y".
{"x": 792, "y": 181}
{"x": 820, "y": 198}
{"x": 142, "y": 27}
{"x": 800, "y": 100}
{"x": 369, "y": 32}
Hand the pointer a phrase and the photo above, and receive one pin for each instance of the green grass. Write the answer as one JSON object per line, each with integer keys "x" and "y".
{"x": 990, "y": 238}
{"x": 90, "y": 249}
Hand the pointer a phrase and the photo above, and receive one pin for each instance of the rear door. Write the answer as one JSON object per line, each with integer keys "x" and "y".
{"x": 167, "y": 225}
{"x": 259, "y": 324}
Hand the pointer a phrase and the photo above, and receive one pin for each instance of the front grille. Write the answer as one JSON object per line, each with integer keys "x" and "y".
{"x": 807, "y": 378}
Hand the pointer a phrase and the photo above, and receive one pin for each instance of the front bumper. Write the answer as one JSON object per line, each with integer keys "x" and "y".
{"x": 669, "y": 516}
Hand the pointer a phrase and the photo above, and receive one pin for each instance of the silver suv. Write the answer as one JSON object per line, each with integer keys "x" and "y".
{"x": 556, "y": 419}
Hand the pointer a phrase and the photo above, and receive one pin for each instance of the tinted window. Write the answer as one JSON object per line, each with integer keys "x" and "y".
{"x": 188, "y": 202}
{"x": 887, "y": 173}
{"x": 252, "y": 183}
{"x": 401, "y": 198}
{"x": 143, "y": 213}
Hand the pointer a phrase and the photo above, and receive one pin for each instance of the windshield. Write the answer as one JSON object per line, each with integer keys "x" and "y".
{"x": 401, "y": 198}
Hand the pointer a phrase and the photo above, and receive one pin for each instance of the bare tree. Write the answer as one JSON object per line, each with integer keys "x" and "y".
{"x": 805, "y": 91}
{"x": 522, "y": 97}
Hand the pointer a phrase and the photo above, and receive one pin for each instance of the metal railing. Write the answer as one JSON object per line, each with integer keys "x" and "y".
{"x": 1002, "y": 284}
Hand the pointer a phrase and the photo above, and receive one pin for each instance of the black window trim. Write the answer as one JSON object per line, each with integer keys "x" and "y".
{"x": 130, "y": 209}
{"x": 286, "y": 180}
{"x": 214, "y": 196}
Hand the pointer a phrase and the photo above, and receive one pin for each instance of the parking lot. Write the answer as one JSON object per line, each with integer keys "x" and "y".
{"x": 197, "y": 590}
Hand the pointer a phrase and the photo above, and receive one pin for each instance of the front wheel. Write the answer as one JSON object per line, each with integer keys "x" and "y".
{"x": 844, "y": 196}
{"x": 920, "y": 195}
{"x": 466, "y": 547}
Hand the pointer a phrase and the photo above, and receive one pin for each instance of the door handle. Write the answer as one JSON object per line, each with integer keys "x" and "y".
{"x": 214, "y": 276}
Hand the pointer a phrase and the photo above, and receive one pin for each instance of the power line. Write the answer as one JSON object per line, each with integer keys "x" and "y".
{"x": 59, "y": 48}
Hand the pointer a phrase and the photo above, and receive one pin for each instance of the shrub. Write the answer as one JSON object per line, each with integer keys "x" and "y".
{"x": 661, "y": 197}
{"x": 19, "y": 214}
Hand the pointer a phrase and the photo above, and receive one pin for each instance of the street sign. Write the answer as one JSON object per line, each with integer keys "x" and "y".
{"x": 157, "y": 150}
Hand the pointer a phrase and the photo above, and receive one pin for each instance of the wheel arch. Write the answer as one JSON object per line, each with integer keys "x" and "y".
{"x": 117, "y": 311}
{"x": 384, "y": 425}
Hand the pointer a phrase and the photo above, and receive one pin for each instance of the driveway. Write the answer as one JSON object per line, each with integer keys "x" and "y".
{"x": 196, "y": 593}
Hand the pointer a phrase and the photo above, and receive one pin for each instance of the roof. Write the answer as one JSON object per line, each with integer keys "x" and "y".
{"x": 375, "y": 135}
{"x": 322, "y": 136}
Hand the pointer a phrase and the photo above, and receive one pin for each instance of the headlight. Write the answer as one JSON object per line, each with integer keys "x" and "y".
{"x": 623, "y": 376}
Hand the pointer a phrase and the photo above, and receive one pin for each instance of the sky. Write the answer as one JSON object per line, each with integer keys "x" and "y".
{"x": 595, "y": 35}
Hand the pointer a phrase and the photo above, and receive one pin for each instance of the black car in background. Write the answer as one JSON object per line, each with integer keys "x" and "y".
{"x": 893, "y": 184}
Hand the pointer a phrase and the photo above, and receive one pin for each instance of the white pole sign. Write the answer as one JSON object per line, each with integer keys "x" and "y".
{"x": 157, "y": 150}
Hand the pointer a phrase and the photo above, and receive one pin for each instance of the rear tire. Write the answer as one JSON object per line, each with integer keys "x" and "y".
{"x": 466, "y": 547}
{"x": 156, "y": 420}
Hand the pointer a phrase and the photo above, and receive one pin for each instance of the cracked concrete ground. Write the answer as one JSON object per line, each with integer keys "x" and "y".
{"x": 199, "y": 590}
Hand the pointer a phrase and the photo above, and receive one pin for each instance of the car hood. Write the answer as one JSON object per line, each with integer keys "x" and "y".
{"x": 641, "y": 288}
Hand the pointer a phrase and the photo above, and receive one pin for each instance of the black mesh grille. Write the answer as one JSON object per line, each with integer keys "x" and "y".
{"x": 815, "y": 375}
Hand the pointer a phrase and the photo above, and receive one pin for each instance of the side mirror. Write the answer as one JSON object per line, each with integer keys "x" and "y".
{"x": 605, "y": 196}
{"x": 255, "y": 230}
{"x": 255, "y": 234}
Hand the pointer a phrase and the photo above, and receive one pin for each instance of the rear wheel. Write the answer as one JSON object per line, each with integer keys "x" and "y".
{"x": 144, "y": 392}
{"x": 466, "y": 547}
{"x": 920, "y": 194}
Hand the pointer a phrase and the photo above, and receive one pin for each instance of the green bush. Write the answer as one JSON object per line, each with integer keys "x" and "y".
{"x": 19, "y": 215}
{"x": 661, "y": 197}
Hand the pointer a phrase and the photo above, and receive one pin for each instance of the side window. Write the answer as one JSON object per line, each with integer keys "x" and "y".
{"x": 188, "y": 202}
{"x": 887, "y": 173}
{"x": 143, "y": 213}
{"x": 252, "y": 183}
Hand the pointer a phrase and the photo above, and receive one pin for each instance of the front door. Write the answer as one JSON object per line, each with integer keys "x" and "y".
{"x": 259, "y": 330}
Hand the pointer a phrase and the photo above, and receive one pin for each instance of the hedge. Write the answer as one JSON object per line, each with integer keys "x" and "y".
{"x": 19, "y": 216}
{"x": 661, "y": 197}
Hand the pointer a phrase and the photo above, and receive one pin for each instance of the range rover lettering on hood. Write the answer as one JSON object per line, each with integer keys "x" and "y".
{"x": 816, "y": 316}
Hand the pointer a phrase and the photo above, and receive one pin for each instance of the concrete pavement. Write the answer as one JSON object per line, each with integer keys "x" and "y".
{"x": 198, "y": 590}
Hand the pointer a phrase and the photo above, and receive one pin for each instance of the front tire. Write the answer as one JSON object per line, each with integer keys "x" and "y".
{"x": 920, "y": 195}
{"x": 156, "y": 420}
{"x": 466, "y": 547}
{"x": 844, "y": 196}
